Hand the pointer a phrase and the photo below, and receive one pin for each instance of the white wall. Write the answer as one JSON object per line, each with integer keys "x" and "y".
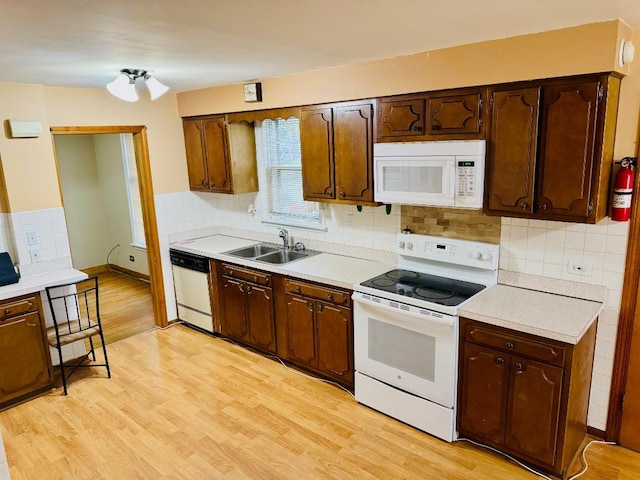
{"x": 83, "y": 201}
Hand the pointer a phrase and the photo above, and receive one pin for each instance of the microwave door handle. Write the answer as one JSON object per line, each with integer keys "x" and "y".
{"x": 447, "y": 321}
{"x": 454, "y": 178}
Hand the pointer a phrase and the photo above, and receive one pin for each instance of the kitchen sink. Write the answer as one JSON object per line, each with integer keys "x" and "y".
{"x": 270, "y": 253}
{"x": 281, "y": 256}
{"x": 253, "y": 251}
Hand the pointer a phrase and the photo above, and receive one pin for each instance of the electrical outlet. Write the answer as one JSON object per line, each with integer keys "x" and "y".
{"x": 131, "y": 259}
{"x": 35, "y": 255}
{"x": 579, "y": 268}
{"x": 32, "y": 239}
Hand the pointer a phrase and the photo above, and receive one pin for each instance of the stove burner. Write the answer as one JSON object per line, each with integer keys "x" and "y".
{"x": 402, "y": 274}
{"x": 432, "y": 293}
{"x": 383, "y": 282}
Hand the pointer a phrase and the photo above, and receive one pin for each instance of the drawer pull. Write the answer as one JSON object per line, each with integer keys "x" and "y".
{"x": 330, "y": 297}
{"x": 298, "y": 289}
{"x": 499, "y": 360}
{"x": 509, "y": 345}
{"x": 7, "y": 312}
{"x": 255, "y": 278}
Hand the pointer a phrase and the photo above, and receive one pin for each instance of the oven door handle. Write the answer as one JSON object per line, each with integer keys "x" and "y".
{"x": 447, "y": 320}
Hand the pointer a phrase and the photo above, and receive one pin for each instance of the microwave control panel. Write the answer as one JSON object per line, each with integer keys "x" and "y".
{"x": 469, "y": 182}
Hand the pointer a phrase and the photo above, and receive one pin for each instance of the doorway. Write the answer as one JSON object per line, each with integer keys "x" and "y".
{"x": 150, "y": 232}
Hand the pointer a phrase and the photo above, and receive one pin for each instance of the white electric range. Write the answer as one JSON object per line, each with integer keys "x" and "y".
{"x": 406, "y": 329}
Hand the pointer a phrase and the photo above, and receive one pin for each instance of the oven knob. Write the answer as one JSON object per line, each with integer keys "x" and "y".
{"x": 409, "y": 245}
{"x": 401, "y": 244}
{"x": 475, "y": 255}
{"x": 486, "y": 256}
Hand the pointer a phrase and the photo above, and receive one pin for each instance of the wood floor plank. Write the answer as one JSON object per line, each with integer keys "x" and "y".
{"x": 185, "y": 405}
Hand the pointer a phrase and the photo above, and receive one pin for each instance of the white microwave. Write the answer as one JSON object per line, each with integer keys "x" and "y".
{"x": 441, "y": 174}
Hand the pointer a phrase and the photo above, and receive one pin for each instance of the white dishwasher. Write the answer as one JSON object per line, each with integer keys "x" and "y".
{"x": 191, "y": 283}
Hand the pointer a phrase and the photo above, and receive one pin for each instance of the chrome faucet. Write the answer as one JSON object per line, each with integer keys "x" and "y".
{"x": 284, "y": 235}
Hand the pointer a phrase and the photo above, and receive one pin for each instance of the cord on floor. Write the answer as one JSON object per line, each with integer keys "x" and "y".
{"x": 541, "y": 475}
{"x": 275, "y": 357}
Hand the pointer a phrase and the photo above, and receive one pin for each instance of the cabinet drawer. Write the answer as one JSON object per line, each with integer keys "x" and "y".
{"x": 253, "y": 276}
{"x": 339, "y": 297}
{"x": 515, "y": 344}
{"x": 16, "y": 307}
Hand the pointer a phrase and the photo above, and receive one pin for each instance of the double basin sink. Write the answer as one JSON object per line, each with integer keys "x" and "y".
{"x": 270, "y": 253}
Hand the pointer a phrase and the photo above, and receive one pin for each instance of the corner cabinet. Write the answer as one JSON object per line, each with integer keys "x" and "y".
{"x": 336, "y": 143}
{"x": 525, "y": 395}
{"x": 221, "y": 156}
{"x": 550, "y": 152}
{"x": 319, "y": 330}
{"x": 25, "y": 361}
{"x": 443, "y": 115}
{"x": 246, "y": 303}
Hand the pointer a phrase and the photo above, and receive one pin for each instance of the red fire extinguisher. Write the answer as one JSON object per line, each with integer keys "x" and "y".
{"x": 622, "y": 190}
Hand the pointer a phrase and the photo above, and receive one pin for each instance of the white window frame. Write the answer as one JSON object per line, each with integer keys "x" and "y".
{"x": 262, "y": 199}
{"x": 130, "y": 178}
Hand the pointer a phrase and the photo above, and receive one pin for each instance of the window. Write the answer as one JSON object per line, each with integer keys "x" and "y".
{"x": 133, "y": 191}
{"x": 283, "y": 169}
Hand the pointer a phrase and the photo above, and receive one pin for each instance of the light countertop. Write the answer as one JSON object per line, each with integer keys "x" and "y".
{"x": 35, "y": 283}
{"x": 336, "y": 270}
{"x": 547, "y": 315}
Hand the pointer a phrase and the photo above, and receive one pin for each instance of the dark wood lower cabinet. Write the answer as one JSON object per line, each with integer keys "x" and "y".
{"x": 25, "y": 362}
{"x": 525, "y": 395}
{"x": 246, "y": 307}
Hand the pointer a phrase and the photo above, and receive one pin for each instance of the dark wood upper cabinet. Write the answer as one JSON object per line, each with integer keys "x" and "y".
{"x": 454, "y": 114}
{"x": 441, "y": 115}
{"x": 512, "y": 158}
{"x": 551, "y": 148}
{"x": 221, "y": 156}
{"x": 337, "y": 152}
{"x": 404, "y": 117}
{"x": 316, "y": 146}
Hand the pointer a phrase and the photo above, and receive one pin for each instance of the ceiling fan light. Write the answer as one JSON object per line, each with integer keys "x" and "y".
{"x": 156, "y": 88}
{"x": 124, "y": 88}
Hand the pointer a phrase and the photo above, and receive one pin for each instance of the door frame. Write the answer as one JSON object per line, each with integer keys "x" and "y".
{"x": 143, "y": 166}
{"x": 628, "y": 312}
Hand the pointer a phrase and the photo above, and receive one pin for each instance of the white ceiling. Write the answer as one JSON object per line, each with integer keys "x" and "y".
{"x": 190, "y": 44}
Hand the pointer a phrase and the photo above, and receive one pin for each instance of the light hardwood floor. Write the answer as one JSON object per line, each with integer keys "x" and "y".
{"x": 126, "y": 307}
{"x": 185, "y": 405}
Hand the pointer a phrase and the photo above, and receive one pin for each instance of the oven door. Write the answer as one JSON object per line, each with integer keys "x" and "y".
{"x": 406, "y": 347}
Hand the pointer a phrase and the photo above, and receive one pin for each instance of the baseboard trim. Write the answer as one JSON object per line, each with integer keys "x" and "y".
{"x": 91, "y": 271}
{"x": 131, "y": 273}
{"x": 596, "y": 432}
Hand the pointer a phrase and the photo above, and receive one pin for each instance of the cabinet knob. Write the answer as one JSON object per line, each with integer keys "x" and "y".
{"x": 342, "y": 194}
{"x": 249, "y": 289}
{"x": 310, "y": 306}
{"x": 240, "y": 287}
{"x": 435, "y": 127}
{"x": 518, "y": 366}
{"x": 542, "y": 206}
{"x": 499, "y": 360}
{"x": 255, "y": 278}
{"x": 330, "y": 297}
{"x": 509, "y": 345}
{"x": 417, "y": 128}
{"x": 298, "y": 289}
{"x": 329, "y": 192}
{"x": 7, "y": 311}
{"x": 204, "y": 182}
{"x": 524, "y": 205}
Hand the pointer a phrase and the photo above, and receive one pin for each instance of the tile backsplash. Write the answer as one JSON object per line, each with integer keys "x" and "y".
{"x": 459, "y": 223}
{"x": 589, "y": 254}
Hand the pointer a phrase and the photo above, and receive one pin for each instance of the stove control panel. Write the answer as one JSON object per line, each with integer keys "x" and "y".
{"x": 448, "y": 250}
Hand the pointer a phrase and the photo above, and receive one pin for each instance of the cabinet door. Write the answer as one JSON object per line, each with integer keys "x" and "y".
{"x": 262, "y": 330}
{"x": 453, "y": 114}
{"x": 533, "y": 409}
{"x": 334, "y": 330}
{"x": 216, "y": 155}
{"x": 567, "y": 141}
{"x": 233, "y": 321}
{"x": 24, "y": 363}
{"x": 483, "y": 393}
{"x": 196, "y": 160}
{"x": 353, "y": 152}
{"x": 316, "y": 146}
{"x": 401, "y": 117}
{"x": 511, "y": 156}
{"x": 300, "y": 330}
